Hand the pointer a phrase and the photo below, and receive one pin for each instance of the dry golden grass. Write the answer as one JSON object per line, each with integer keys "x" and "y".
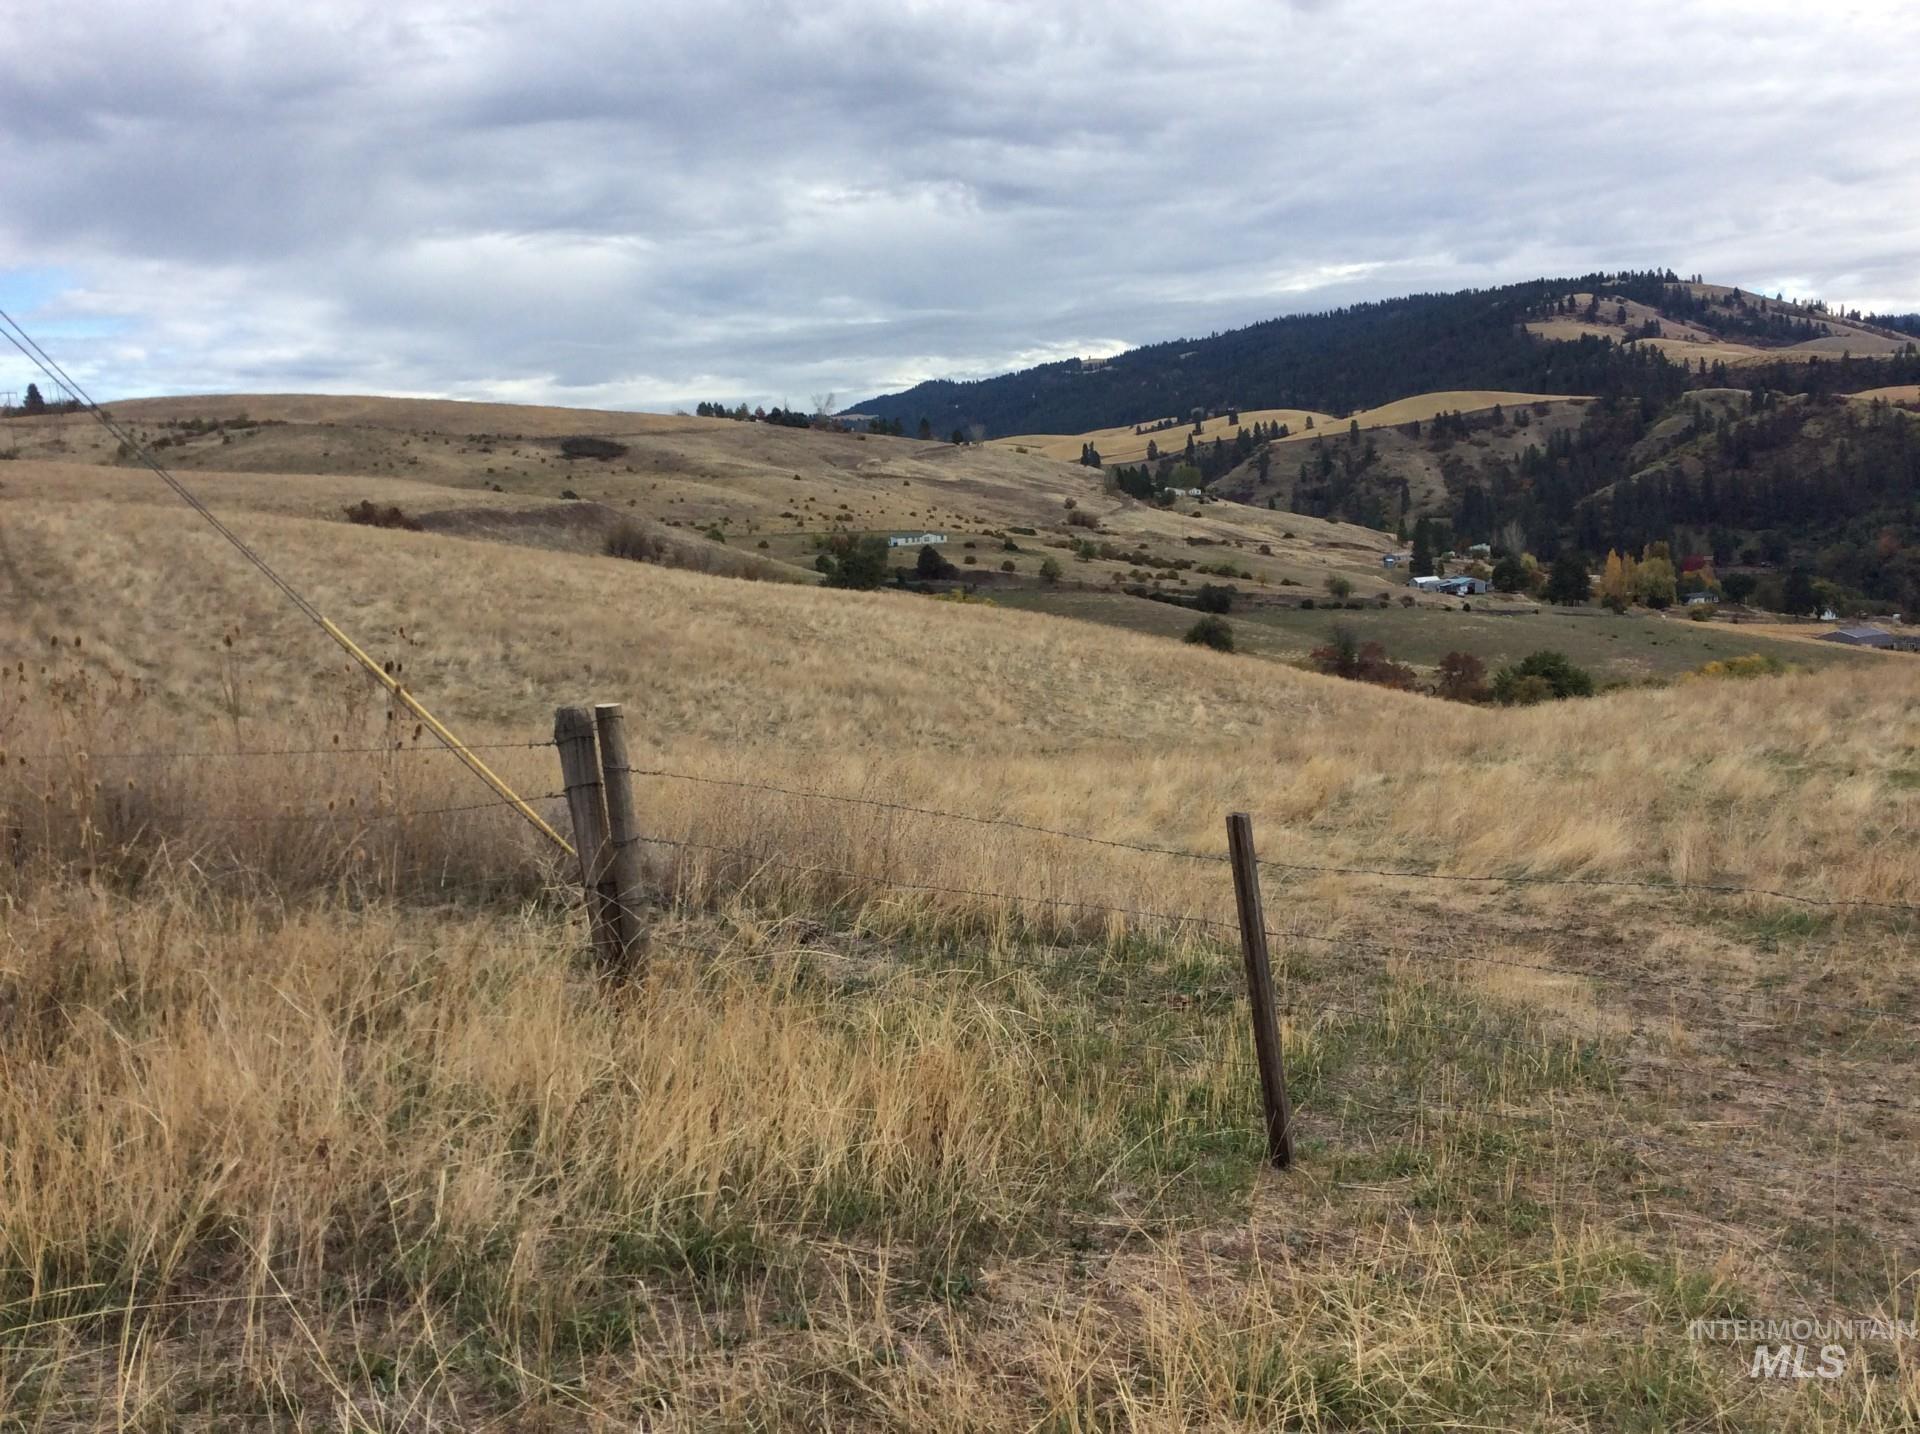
{"x": 433, "y": 414}
{"x": 314, "y": 1116}
{"x": 1424, "y": 406}
{"x": 770, "y": 490}
{"x": 1123, "y": 445}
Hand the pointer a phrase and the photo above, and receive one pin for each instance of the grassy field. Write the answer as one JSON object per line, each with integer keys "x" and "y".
{"x": 1123, "y": 445}
{"x": 1632, "y": 647}
{"x": 316, "y": 1115}
{"x": 764, "y": 492}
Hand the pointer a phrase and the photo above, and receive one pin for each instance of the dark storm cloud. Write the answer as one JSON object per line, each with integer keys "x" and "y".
{"x": 649, "y": 205}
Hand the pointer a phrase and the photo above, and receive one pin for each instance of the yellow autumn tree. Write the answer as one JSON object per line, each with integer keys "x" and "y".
{"x": 1652, "y": 580}
{"x": 1616, "y": 582}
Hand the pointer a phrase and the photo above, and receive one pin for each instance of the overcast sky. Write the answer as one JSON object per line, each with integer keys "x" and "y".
{"x": 644, "y": 205}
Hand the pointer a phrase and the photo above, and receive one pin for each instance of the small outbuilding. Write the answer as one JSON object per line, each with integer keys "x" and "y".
{"x": 1860, "y": 637}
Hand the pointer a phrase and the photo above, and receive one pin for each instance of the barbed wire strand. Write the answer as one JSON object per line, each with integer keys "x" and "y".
{"x": 1221, "y": 858}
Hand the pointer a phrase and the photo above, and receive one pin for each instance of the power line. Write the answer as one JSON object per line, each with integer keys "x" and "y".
{"x": 81, "y": 754}
{"x": 25, "y": 343}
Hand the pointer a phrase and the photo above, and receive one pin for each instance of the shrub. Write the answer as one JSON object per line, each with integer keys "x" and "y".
{"x": 1080, "y": 518}
{"x": 1050, "y": 570}
{"x": 372, "y": 515}
{"x": 1702, "y": 611}
{"x": 1515, "y": 685}
{"x": 932, "y": 566}
{"x": 1215, "y": 597}
{"x": 1345, "y": 655}
{"x": 1339, "y": 587}
{"x": 1463, "y": 678}
{"x": 605, "y": 449}
{"x": 1752, "y": 664}
{"x": 1522, "y": 691}
{"x": 849, "y": 561}
{"x": 1509, "y": 574}
{"x": 628, "y": 539}
{"x": 1211, "y": 631}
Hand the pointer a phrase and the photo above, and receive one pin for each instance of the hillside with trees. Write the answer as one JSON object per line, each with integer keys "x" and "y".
{"x": 1744, "y": 453}
{"x": 1337, "y": 361}
{"x": 1364, "y": 355}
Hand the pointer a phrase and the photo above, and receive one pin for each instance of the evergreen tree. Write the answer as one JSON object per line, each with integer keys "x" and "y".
{"x": 850, "y": 561}
{"x": 1567, "y": 581}
{"x": 1422, "y": 564}
{"x": 34, "y": 403}
{"x": 1798, "y": 595}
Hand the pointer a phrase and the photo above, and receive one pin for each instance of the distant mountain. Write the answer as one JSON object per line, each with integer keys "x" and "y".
{"x": 1337, "y": 361}
{"x": 1642, "y": 334}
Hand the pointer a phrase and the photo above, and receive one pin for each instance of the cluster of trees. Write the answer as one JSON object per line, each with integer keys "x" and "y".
{"x": 1733, "y": 317}
{"x": 34, "y": 403}
{"x": 1462, "y": 677}
{"x": 1828, "y": 486}
{"x": 1648, "y": 580}
{"x": 793, "y": 418}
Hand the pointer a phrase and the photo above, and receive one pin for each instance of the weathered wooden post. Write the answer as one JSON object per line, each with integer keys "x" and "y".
{"x": 620, "y": 885}
{"x": 580, "y": 772}
{"x": 1266, "y": 1021}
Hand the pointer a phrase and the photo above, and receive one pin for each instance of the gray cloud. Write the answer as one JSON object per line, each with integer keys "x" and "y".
{"x": 751, "y": 199}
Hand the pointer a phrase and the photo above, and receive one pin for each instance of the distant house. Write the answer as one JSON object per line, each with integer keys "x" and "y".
{"x": 1861, "y": 637}
{"x": 1480, "y": 550}
{"x": 1700, "y": 599}
{"x": 915, "y": 540}
{"x": 1395, "y": 560}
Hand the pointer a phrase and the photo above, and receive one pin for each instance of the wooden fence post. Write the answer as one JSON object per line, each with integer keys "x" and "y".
{"x": 580, "y": 771}
{"x": 621, "y": 884}
{"x": 1266, "y": 1021}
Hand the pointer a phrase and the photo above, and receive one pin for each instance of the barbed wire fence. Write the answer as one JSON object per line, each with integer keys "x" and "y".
{"x": 1423, "y": 996}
